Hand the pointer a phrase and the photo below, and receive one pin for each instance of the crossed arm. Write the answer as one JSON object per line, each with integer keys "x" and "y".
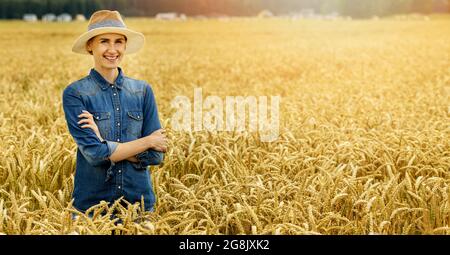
{"x": 141, "y": 152}
{"x": 127, "y": 151}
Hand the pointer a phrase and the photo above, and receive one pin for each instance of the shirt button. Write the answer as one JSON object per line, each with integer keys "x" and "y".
{"x": 97, "y": 117}
{"x": 112, "y": 86}
{"x": 114, "y": 94}
{"x": 119, "y": 187}
{"x": 118, "y": 124}
{"x": 120, "y": 171}
{"x": 117, "y": 109}
{"x": 118, "y": 140}
{"x": 139, "y": 117}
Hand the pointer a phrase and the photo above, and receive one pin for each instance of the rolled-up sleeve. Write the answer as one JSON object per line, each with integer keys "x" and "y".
{"x": 151, "y": 124}
{"x": 148, "y": 158}
{"x": 96, "y": 152}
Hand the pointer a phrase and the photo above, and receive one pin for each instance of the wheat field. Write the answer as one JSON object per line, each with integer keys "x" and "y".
{"x": 364, "y": 145}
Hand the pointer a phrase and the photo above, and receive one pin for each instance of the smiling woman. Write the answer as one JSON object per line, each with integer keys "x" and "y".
{"x": 113, "y": 120}
{"x": 108, "y": 49}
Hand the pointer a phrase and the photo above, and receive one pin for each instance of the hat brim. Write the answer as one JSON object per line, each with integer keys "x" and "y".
{"x": 135, "y": 40}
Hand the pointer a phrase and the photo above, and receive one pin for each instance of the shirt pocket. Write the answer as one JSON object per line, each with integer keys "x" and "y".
{"x": 103, "y": 121}
{"x": 135, "y": 120}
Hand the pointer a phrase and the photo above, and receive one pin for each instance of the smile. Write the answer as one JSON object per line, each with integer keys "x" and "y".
{"x": 110, "y": 58}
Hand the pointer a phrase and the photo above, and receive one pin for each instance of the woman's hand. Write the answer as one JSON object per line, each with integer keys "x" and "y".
{"x": 158, "y": 140}
{"x": 90, "y": 123}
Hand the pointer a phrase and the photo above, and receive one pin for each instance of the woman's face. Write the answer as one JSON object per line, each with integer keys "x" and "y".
{"x": 107, "y": 50}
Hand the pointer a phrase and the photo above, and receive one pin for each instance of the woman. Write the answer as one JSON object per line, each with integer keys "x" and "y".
{"x": 113, "y": 119}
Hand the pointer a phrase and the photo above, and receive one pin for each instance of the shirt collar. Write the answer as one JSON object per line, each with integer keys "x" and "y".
{"x": 104, "y": 84}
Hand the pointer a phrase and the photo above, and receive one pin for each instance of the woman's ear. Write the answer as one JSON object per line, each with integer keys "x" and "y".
{"x": 88, "y": 46}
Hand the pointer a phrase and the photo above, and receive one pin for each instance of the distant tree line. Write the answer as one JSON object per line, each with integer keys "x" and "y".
{"x": 14, "y": 9}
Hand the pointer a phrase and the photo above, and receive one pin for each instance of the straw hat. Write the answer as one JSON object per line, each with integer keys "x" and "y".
{"x": 105, "y": 21}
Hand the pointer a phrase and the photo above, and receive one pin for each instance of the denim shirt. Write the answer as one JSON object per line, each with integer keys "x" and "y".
{"x": 123, "y": 111}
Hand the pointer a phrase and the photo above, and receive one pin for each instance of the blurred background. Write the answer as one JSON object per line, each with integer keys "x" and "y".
{"x": 25, "y": 9}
